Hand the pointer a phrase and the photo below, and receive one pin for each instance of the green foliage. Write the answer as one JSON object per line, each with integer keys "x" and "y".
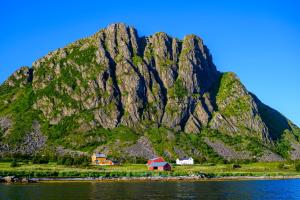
{"x": 14, "y": 163}
{"x": 158, "y": 138}
{"x": 236, "y": 166}
{"x": 50, "y": 92}
{"x": 123, "y": 134}
{"x": 63, "y": 128}
{"x": 297, "y": 166}
{"x": 283, "y": 147}
{"x": 238, "y": 142}
{"x": 137, "y": 60}
{"x": 229, "y": 85}
{"x": 163, "y": 139}
{"x": 178, "y": 90}
{"x": 237, "y": 107}
{"x": 83, "y": 57}
{"x": 255, "y": 146}
{"x": 4, "y": 89}
{"x": 281, "y": 166}
{"x": 69, "y": 160}
{"x": 165, "y": 63}
{"x": 23, "y": 116}
{"x": 69, "y": 75}
{"x": 37, "y": 159}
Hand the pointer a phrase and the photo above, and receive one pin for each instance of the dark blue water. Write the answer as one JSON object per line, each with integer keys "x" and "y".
{"x": 274, "y": 189}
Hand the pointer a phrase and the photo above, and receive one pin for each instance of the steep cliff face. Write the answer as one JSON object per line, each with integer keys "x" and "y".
{"x": 117, "y": 79}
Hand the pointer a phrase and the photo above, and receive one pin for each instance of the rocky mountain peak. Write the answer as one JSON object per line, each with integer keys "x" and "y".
{"x": 116, "y": 78}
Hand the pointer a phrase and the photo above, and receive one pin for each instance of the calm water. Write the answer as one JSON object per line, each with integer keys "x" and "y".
{"x": 275, "y": 189}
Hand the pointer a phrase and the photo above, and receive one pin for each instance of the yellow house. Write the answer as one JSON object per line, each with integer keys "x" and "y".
{"x": 100, "y": 159}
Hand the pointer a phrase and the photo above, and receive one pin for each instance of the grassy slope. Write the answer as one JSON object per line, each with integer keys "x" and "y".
{"x": 138, "y": 170}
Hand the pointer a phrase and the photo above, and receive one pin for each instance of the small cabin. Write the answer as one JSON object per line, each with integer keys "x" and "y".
{"x": 101, "y": 159}
{"x": 160, "y": 166}
{"x": 185, "y": 161}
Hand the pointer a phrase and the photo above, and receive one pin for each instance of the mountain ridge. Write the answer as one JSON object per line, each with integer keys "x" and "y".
{"x": 115, "y": 79}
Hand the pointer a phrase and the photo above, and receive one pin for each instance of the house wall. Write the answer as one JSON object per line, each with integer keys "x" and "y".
{"x": 185, "y": 162}
{"x": 161, "y": 168}
{"x": 101, "y": 161}
{"x": 104, "y": 162}
{"x": 167, "y": 167}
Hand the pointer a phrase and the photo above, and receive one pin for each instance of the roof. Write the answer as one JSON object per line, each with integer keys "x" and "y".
{"x": 100, "y": 155}
{"x": 156, "y": 158}
{"x": 185, "y": 158}
{"x": 158, "y": 164}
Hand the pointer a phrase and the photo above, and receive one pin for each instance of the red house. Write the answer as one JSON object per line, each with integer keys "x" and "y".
{"x": 158, "y": 159}
{"x": 160, "y": 166}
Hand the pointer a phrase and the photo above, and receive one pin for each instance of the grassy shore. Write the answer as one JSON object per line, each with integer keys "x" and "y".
{"x": 139, "y": 170}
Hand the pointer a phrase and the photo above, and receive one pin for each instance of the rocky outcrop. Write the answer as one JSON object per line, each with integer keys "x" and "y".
{"x": 5, "y": 124}
{"x": 227, "y": 152}
{"x": 32, "y": 143}
{"x": 14, "y": 179}
{"x": 142, "y": 149}
{"x": 269, "y": 156}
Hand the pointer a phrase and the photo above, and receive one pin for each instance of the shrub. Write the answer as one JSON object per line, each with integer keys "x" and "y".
{"x": 297, "y": 166}
{"x": 281, "y": 166}
{"x": 236, "y": 166}
{"x": 283, "y": 148}
{"x": 40, "y": 160}
{"x": 180, "y": 90}
{"x": 69, "y": 161}
{"x": 14, "y": 163}
{"x": 73, "y": 160}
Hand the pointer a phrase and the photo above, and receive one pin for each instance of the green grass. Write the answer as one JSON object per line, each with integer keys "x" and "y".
{"x": 138, "y": 170}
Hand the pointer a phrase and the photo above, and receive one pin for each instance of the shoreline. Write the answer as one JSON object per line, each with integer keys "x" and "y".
{"x": 162, "y": 179}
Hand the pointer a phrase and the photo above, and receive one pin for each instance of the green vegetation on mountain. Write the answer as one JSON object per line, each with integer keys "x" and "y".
{"x": 134, "y": 98}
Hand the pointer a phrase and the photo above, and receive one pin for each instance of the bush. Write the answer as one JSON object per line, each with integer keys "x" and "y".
{"x": 40, "y": 160}
{"x": 281, "y": 166}
{"x": 69, "y": 161}
{"x": 283, "y": 148}
{"x": 14, "y": 163}
{"x": 73, "y": 160}
{"x": 236, "y": 166}
{"x": 297, "y": 166}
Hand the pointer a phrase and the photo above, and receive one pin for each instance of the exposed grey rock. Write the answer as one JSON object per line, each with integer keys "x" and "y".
{"x": 34, "y": 141}
{"x": 9, "y": 179}
{"x": 142, "y": 148}
{"x": 227, "y": 152}
{"x": 295, "y": 153}
{"x": 5, "y": 124}
{"x": 269, "y": 156}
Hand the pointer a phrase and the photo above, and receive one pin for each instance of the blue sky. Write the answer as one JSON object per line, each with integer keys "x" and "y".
{"x": 258, "y": 40}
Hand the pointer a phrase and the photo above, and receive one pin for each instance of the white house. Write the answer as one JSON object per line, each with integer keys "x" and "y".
{"x": 185, "y": 161}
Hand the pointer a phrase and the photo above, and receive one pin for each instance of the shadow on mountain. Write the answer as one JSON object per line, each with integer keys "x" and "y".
{"x": 273, "y": 119}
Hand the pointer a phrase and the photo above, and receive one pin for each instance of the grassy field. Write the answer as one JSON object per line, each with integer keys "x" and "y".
{"x": 140, "y": 170}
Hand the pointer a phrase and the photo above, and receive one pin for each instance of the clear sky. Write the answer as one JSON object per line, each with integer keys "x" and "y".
{"x": 257, "y": 39}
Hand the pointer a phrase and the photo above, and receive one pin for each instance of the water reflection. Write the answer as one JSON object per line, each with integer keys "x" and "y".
{"x": 277, "y": 189}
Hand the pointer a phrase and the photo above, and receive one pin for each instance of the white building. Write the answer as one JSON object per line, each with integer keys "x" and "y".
{"x": 185, "y": 161}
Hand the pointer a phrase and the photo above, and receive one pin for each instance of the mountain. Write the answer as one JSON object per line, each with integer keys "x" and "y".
{"x": 135, "y": 97}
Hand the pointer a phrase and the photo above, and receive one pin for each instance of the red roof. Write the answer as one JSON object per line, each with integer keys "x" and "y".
{"x": 153, "y": 160}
